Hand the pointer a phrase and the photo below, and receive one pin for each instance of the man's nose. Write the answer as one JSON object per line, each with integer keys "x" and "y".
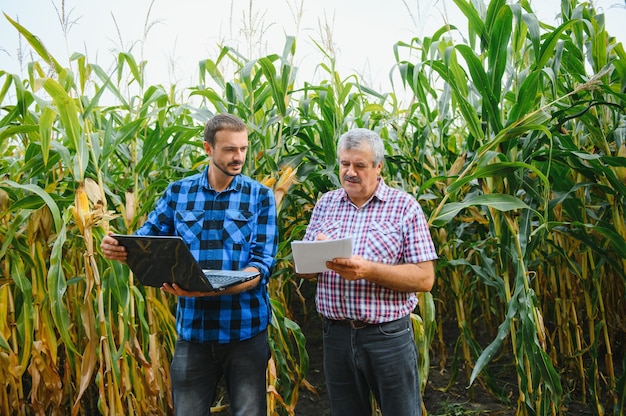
{"x": 350, "y": 170}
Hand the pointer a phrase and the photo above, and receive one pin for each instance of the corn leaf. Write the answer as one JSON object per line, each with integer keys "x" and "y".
{"x": 37, "y": 45}
{"x": 68, "y": 112}
{"x": 500, "y": 202}
{"x": 45, "y": 130}
{"x": 57, "y": 287}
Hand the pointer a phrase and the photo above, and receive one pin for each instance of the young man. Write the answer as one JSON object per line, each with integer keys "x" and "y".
{"x": 366, "y": 300}
{"x": 229, "y": 222}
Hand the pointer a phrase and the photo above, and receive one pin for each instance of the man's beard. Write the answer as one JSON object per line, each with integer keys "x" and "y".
{"x": 225, "y": 170}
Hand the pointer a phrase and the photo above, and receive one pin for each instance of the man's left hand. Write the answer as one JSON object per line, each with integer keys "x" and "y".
{"x": 174, "y": 289}
{"x": 353, "y": 268}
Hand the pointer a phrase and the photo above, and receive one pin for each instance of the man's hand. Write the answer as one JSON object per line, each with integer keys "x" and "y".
{"x": 112, "y": 250}
{"x": 353, "y": 268}
{"x": 174, "y": 289}
{"x": 310, "y": 276}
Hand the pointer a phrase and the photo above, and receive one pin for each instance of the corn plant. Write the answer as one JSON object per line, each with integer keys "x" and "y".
{"x": 73, "y": 319}
{"x": 523, "y": 132}
{"x": 514, "y": 145}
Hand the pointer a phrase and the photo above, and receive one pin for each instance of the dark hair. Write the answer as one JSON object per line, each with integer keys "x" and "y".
{"x": 219, "y": 122}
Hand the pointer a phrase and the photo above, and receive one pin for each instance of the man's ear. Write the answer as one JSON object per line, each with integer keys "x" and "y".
{"x": 207, "y": 148}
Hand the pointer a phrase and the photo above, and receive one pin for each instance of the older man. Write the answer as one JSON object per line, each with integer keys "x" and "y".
{"x": 366, "y": 300}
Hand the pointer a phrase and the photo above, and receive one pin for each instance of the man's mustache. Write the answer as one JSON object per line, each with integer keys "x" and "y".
{"x": 353, "y": 179}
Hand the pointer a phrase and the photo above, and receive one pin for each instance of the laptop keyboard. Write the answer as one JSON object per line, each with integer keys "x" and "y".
{"x": 219, "y": 279}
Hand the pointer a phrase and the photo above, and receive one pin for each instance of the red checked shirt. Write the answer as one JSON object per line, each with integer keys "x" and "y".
{"x": 390, "y": 228}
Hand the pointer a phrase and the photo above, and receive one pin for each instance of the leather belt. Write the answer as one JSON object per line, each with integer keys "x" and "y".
{"x": 353, "y": 323}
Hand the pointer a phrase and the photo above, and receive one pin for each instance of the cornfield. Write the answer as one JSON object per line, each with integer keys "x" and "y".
{"x": 514, "y": 143}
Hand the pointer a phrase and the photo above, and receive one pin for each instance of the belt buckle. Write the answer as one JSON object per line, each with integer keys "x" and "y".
{"x": 354, "y": 324}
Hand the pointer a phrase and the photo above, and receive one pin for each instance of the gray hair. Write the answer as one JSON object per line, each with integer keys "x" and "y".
{"x": 357, "y": 138}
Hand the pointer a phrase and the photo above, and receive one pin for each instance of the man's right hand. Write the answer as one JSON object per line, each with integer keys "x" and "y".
{"x": 311, "y": 276}
{"x": 112, "y": 250}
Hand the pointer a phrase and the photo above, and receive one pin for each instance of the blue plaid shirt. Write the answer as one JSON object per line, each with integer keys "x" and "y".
{"x": 228, "y": 230}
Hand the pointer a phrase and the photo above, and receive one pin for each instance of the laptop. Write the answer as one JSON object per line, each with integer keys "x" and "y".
{"x": 166, "y": 259}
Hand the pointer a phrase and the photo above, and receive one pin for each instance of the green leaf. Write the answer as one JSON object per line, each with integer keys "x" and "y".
{"x": 467, "y": 110}
{"x": 12, "y": 130}
{"x": 489, "y": 352}
{"x": 475, "y": 22}
{"x": 277, "y": 83}
{"x": 484, "y": 86}
{"x": 68, "y": 111}
{"x": 498, "y": 49}
{"x": 526, "y": 96}
{"x": 497, "y": 169}
{"x": 132, "y": 65}
{"x": 549, "y": 45}
{"x": 57, "y": 286}
{"x": 54, "y": 209}
{"x": 37, "y": 45}
{"x": 109, "y": 86}
{"x": 500, "y": 202}
{"x": 48, "y": 116}
{"x": 26, "y": 317}
{"x": 534, "y": 31}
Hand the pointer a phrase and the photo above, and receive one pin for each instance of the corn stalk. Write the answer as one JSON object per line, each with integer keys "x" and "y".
{"x": 537, "y": 139}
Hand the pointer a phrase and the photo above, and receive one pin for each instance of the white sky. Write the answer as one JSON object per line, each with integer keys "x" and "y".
{"x": 183, "y": 32}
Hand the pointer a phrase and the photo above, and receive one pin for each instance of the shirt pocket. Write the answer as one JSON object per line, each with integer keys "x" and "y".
{"x": 384, "y": 242}
{"x": 238, "y": 226}
{"x": 331, "y": 229}
{"x": 188, "y": 225}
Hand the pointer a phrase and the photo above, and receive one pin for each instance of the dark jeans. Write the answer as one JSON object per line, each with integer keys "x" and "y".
{"x": 381, "y": 359}
{"x": 197, "y": 368}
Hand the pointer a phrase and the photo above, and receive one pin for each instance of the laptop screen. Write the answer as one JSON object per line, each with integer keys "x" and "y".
{"x": 163, "y": 259}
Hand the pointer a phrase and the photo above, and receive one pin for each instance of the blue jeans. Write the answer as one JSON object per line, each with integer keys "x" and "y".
{"x": 197, "y": 368}
{"x": 378, "y": 359}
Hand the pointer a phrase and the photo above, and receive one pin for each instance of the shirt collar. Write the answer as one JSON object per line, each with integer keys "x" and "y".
{"x": 234, "y": 185}
{"x": 381, "y": 193}
{"x": 382, "y": 190}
